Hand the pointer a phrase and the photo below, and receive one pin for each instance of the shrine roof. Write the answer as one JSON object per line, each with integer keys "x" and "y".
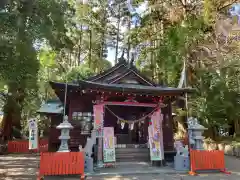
{"x": 118, "y": 72}
{"x": 122, "y": 88}
{"x": 51, "y": 107}
{"x": 124, "y": 77}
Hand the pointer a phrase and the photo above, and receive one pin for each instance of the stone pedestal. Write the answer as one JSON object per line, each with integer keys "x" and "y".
{"x": 65, "y": 127}
{"x": 88, "y": 166}
{"x": 181, "y": 163}
{"x": 181, "y": 160}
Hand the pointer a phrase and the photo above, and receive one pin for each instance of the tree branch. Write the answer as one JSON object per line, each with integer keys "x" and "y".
{"x": 183, "y": 3}
{"x": 225, "y": 5}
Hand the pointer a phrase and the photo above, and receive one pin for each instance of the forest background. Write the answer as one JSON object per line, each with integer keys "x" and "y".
{"x": 42, "y": 41}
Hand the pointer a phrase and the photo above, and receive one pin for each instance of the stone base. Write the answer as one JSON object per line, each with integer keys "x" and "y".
{"x": 88, "y": 166}
{"x": 100, "y": 164}
{"x": 181, "y": 163}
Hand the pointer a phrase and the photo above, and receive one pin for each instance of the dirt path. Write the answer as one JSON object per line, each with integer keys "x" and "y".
{"x": 25, "y": 167}
{"x": 18, "y": 167}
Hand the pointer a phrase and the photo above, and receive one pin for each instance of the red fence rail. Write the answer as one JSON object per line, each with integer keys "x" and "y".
{"x": 207, "y": 160}
{"x": 22, "y": 146}
{"x": 61, "y": 163}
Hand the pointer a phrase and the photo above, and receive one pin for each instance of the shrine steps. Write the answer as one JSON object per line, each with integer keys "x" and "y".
{"x": 132, "y": 154}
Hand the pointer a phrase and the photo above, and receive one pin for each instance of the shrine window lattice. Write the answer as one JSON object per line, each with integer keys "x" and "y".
{"x": 85, "y": 121}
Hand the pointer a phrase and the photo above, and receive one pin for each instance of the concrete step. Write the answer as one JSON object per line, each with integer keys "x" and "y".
{"x": 131, "y": 146}
{"x": 132, "y": 154}
{"x": 132, "y": 160}
{"x": 132, "y": 157}
{"x": 131, "y": 150}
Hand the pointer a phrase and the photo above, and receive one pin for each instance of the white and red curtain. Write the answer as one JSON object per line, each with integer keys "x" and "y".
{"x": 98, "y": 111}
{"x": 155, "y": 135}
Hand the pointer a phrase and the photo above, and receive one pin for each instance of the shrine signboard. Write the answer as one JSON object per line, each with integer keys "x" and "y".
{"x": 33, "y": 134}
{"x": 108, "y": 145}
{"x": 155, "y": 137}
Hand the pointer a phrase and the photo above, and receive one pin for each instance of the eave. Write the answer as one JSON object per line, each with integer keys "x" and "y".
{"x": 120, "y": 88}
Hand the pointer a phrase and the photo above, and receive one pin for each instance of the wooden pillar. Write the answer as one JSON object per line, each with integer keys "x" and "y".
{"x": 169, "y": 126}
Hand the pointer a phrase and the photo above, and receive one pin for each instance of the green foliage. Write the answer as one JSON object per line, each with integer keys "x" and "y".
{"x": 217, "y": 100}
{"x": 25, "y": 24}
{"x": 80, "y": 72}
{"x": 42, "y": 41}
{"x": 215, "y": 77}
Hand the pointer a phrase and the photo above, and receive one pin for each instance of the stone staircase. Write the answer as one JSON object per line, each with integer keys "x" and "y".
{"x": 132, "y": 153}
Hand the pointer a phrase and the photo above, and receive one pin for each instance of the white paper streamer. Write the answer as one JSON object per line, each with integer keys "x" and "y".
{"x": 122, "y": 125}
{"x": 131, "y": 126}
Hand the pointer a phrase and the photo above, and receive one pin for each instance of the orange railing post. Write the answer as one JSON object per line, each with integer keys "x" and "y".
{"x": 22, "y": 146}
{"x": 61, "y": 163}
{"x": 207, "y": 160}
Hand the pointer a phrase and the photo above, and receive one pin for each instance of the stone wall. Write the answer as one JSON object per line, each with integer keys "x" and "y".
{"x": 229, "y": 149}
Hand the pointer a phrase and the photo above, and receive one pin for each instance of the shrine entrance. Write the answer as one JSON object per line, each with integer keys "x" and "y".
{"x": 130, "y": 128}
{"x": 130, "y": 123}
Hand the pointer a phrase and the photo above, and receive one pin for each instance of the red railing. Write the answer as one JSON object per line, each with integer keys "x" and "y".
{"x": 61, "y": 163}
{"x": 207, "y": 160}
{"x": 22, "y": 146}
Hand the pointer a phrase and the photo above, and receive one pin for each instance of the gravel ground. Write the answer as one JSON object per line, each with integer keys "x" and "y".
{"x": 25, "y": 167}
{"x": 18, "y": 166}
{"x": 171, "y": 177}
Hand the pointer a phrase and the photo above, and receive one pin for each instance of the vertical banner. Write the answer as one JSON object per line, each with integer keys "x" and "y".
{"x": 33, "y": 134}
{"x": 108, "y": 145}
{"x": 98, "y": 119}
{"x": 156, "y": 137}
{"x": 98, "y": 111}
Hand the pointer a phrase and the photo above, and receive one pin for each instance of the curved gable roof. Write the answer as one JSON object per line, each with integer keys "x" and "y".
{"x": 119, "y": 71}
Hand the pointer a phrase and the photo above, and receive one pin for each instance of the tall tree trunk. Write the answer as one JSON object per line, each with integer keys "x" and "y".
{"x": 14, "y": 100}
{"x": 8, "y": 119}
{"x": 103, "y": 35}
{"x": 159, "y": 41}
{"x": 152, "y": 56}
{"x": 151, "y": 65}
{"x": 12, "y": 110}
{"x": 90, "y": 48}
{"x": 71, "y": 63}
{"x": 129, "y": 44}
{"x": 80, "y": 46}
{"x": 118, "y": 31}
{"x": 236, "y": 128}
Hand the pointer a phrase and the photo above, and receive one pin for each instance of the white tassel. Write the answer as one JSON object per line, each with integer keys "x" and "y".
{"x": 122, "y": 125}
{"x": 131, "y": 126}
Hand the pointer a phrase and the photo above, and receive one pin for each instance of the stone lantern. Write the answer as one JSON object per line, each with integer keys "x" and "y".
{"x": 195, "y": 133}
{"x": 65, "y": 127}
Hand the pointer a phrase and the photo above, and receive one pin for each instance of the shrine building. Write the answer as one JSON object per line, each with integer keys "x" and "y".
{"x": 127, "y": 99}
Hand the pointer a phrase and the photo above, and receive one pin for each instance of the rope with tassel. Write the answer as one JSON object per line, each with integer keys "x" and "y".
{"x": 121, "y": 120}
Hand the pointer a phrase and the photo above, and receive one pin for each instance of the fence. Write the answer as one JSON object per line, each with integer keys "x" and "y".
{"x": 22, "y": 146}
{"x": 61, "y": 163}
{"x": 207, "y": 160}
